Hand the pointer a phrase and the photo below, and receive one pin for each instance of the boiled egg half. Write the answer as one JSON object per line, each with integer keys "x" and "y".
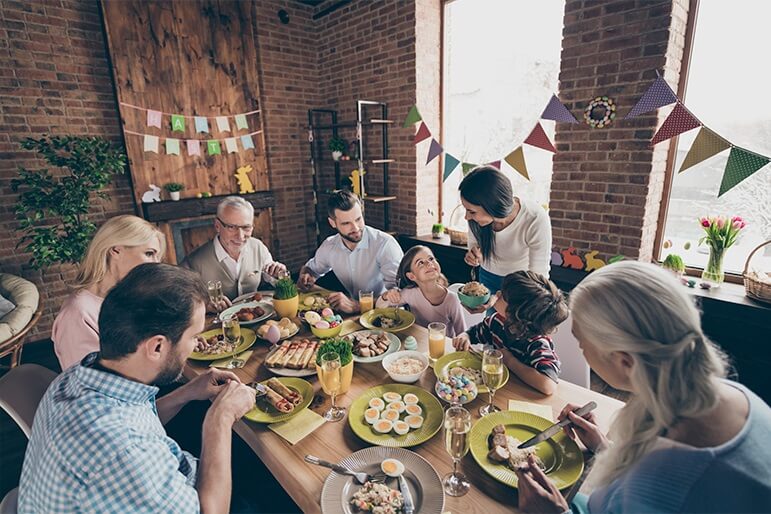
{"x": 392, "y": 467}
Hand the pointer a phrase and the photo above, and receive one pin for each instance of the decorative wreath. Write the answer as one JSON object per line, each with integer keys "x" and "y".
{"x": 600, "y": 112}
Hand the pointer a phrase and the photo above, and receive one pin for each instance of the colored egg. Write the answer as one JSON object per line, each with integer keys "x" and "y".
{"x": 327, "y": 312}
{"x": 377, "y": 403}
{"x": 383, "y": 426}
{"x": 312, "y": 317}
{"x": 273, "y": 334}
{"x": 410, "y": 399}
{"x": 390, "y": 415}
{"x": 413, "y": 410}
{"x": 414, "y": 421}
{"x": 401, "y": 428}
{"x": 371, "y": 416}
{"x": 397, "y": 406}
{"x": 390, "y": 396}
{"x": 321, "y": 324}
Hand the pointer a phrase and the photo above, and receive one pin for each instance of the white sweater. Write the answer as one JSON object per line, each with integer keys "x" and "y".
{"x": 524, "y": 245}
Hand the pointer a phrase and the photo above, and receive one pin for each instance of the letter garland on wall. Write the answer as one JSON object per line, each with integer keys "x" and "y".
{"x": 201, "y": 123}
{"x": 193, "y": 146}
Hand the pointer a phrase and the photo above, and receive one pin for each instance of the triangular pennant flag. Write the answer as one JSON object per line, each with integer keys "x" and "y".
{"x": 230, "y": 145}
{"x": 658, "y": 95}
{"x": 539, "y": 139}
{"x": 423, "y": 133}
{"x": 172, "y": 146}
{"x": 246, "y": 142}
{"x": 741, "y": 164}
{"x": 412, "y": 117}
{"x": 151, "y": 143}
{"x": 516, "y": 160}
{"x": 433, "y": 151}
{"x": 177, "y": 123}
{"x": 556, "y": 110}
{"x": 706, "y": 144}
{"x": 213, "y": 147}
{"x": 223, "y": 125}
{"x": 679, "y": 121}
{"x": 450, "y": 163}
{"x": 241, "y": 122}
{"x": 495, "y": 164}
{"x": 201, "y": 124}
{"x": 153, "y": 118}
{"x": 193, "y": 147}
{"x": 467, "y": 166}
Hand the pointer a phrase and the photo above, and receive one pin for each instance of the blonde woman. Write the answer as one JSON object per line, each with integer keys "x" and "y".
{"x": 120, "y": 245}
{"x": 688, "y": 440}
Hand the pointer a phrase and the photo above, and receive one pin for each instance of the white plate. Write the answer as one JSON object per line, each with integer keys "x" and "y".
{"x": 268, "y": 308}
{"x": 266, "y": 297}
{"x": 394, "y": 345}
{"x": 289, "y": 372}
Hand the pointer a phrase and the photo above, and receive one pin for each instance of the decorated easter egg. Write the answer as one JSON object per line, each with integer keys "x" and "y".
{"x": 273, "y": 334}
{"x": 327, "y": 312}
{"x": 312, "y": 317}
{"x": 321, "y": 324}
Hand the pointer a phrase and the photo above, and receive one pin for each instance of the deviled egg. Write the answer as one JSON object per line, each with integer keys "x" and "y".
{"x": 413, "y": 410}
{"x": 392, "y": 467}
{"x": 377, "y": 403}
{"x": 401, "y": 428}
{"x": 414, "y": 421}
{"x": 383, "y": 426}
{"x": 371, "y": 415}
{"x": 410, "y": 399}
{"x": 390, "y": 415}
{"x": 391, "y": 396}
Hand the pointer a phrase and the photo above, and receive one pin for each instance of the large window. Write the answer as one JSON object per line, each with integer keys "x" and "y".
{"x": 501, "y": 66}
{"x": 728, "y": 79}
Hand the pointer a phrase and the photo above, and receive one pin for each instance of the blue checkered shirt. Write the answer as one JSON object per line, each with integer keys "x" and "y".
{"x": 97, "y": 445}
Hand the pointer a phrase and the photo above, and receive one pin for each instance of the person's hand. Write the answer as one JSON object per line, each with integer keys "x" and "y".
{"x": 305, "y": 281}
{"x": 274, "y": 269}
{"x": 393, "y": 296}
{"x": 584, "y": 427}
{"x": 461, "y": 342}
{"x": 340, "y": 302}
{"x": 473, "y": 257}
{"x": 208, "y": 384}
{"x": 233, "y": 401}
{"x": 536, "y": 492}
{"x": 485, "y": 306}
{"x": 219, "y": 306}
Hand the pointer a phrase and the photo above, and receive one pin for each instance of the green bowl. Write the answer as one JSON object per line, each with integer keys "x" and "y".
{"x": 472, "y": 302}
{"x": 326, "y": 333}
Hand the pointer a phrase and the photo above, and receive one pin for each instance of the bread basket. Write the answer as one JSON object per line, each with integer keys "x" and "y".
{"x": 755, "y": 287}
{"x": 457, "y": 229}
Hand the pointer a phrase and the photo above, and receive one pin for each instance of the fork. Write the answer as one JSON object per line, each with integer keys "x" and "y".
{"x": 360, "y": 476}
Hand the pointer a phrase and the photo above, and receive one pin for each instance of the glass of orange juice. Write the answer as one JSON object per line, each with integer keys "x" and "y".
{"x": 436, "y": 340}
{"x": 366, "y": 301}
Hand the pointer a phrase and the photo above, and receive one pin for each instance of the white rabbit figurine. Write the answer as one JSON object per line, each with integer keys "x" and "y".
{"x": 153, "y": 195}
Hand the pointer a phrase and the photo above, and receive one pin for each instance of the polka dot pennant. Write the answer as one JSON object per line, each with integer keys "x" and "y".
{"x": 658, "y": 95}
{"x": 679, "y": 121}
{"x": 706, "y": 144}
{"x": 539, "y": 139}
{"x": 741, "y": 164}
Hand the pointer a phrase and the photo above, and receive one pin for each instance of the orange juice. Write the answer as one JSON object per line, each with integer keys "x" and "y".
{"x": 366, "y": 301}
{"x": 436, "y": 345}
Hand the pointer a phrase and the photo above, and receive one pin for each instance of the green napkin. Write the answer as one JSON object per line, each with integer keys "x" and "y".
{"x": 297, "y": 427}
{"x": 533, "y": 408}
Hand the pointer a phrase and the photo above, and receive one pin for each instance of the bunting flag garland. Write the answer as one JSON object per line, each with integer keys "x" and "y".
{"x": 433, "y": 151}
{"x": 556, "y": 110}
{"x": 222, "y": 124}
{"x": 230, "y": 145}
{"x": 177, "y": 123}
{"x": 153, "y": 118}
{"x": 741, "y": 164}
{"x": 539, "y": 139}
{"x": 246, "y": 142}
{"x": 658, "y": 95}
{"x": 213, "y": 147}
{"x": 679, "y": 121}
{"x": 172, "y": 146}
{"x": 412, "y": 117}
{"x": 422, "y": 134}
{"x": 201, "y": 125}
{"x": 706, "y": 144}
{"x": 450, "y": 163}
{"x": 495, "y": 164}
{"x": 467, "y": 166}
{"x": 151, "y": 143}
{"x": 516, "y": 160}
{"x": 241, "y": 122}
{"x": 193, "y": 147}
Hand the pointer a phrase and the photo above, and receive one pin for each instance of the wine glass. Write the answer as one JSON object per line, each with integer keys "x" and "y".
{"x": 457, "y": 424}
{"x": 492, "y": 377}
{"x": 330, "y": 377}
{"x": 214, "y": 288}
{"x": 231, "y": 330}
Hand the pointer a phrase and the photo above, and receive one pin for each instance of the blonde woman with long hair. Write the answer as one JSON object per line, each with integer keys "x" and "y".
{"x": 688, "y": 440}
{"x": 120, "y": 245}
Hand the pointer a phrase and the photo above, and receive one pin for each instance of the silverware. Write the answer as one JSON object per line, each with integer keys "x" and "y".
{"x": 409, "y": 505}
{"x": 474, "y": 273}
{"x": 552, "y": 430}
{"x": 360, "y": 476}
{"x": 259, "y": 389}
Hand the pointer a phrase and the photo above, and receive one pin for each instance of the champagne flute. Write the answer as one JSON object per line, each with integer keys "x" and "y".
{"x": 214, "y": 288}
{"x": 492, "y": 377}
{"x": 457, "y": 424}
{"x": 231, "y": 330}
{"x": 330, "y": 377}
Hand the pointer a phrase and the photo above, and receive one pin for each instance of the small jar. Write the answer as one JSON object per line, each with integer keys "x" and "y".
{"x": 410, "y": 343}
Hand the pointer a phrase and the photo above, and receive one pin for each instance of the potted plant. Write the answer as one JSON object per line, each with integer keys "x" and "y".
{"x": 174, "y": 188}
{"x": 720, "y": 233}
{"x": 286, "y": 299}
{"x": 344, "y": 348}
{"x": 674, "y": 263}
{"x": 437, "y": 230}
{"x": 337, "y": 146}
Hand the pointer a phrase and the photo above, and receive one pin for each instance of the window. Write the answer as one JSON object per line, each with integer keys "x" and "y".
{"x": 728, "y": 79}
{"x": 501, "y": 66}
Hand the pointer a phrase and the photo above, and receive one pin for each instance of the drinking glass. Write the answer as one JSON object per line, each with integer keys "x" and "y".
{"x": 366, "y": 301}
{"x": 330, "y": 378}
{"x": 214, "y": 287}
{"x": 457, "y": 424}
{"x": 231, "y": 329}
{"x": 436, "y": 340}
{"x": 492, "y": 377}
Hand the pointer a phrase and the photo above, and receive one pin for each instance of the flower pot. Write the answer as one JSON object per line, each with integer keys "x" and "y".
{"x": 346, "y": 375}
{"x": 437, "y": 235}
{"x": 287, "y": 308}
{"x": 713, "y": 272}
{"x": 336, "y": 155}
{"x": 174, "y": 195}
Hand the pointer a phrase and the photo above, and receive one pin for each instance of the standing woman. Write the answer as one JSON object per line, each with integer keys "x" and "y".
{"x": 120, "y": 245}
{"x": 508, "y": 233}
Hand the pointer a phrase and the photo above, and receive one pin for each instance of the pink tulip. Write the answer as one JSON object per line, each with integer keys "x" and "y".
{"x": 720, "y": 222}
{"x": 737, "y": 224}
{"x": 744, "y": 224}
{"x": 705, "y": 222}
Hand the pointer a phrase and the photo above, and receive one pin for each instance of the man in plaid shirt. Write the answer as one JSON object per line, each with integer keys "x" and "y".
{"x": 98, "y": 443}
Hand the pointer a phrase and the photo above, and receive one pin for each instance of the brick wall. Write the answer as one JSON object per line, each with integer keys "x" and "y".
{"x": 607, "y": 183}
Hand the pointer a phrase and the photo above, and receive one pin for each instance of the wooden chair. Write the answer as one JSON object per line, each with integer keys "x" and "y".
{"x": 27, "y": 310}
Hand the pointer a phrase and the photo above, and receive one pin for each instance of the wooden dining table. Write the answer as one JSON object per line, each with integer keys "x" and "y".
{"x": 334, "y": 441}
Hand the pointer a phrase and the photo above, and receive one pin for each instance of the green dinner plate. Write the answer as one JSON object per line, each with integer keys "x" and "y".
{"x": 323, "y": 294}
{"x": 247, "y": 334}
{"x": 406, "y": 319}
{"x": 464, "y": 359}
{"x": 270, "y": 414}
{"x": 561, "y": 456}
{"x": 433, "y": 416}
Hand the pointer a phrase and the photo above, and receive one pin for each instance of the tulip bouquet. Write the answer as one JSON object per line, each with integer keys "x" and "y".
{"x": 720, "y": 233}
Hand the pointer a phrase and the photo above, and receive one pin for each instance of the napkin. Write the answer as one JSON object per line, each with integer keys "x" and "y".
{"x": 533, "y": 408}
{"x": 297, "y": 427}
{"x": 349, "y": 326}
{"x": 225, "y": 363}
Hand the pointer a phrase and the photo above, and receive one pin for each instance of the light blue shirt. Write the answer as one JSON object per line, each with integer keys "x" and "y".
{"x": 97, "y": 445}
{"x": 371, "y": 266}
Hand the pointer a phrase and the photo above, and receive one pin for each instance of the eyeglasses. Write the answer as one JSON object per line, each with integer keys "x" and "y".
{"x": 228, "y": 226}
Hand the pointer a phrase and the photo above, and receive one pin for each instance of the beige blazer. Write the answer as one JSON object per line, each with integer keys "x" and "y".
{"x": 254, "y": 256}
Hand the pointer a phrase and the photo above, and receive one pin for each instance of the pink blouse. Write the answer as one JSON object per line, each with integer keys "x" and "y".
{"x": 76, "y": 328}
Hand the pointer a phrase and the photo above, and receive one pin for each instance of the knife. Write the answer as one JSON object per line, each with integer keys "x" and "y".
{"x": 409, "y": 506}
{"x": 552, "y": 430}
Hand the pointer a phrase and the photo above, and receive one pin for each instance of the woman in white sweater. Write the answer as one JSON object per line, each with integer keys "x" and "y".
{"x": 507, "y": 233}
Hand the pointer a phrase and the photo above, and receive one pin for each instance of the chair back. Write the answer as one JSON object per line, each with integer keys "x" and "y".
{"x": 9, "y": 505}
{"x": 575, "y": 369}
{"x": 21, "y": 390}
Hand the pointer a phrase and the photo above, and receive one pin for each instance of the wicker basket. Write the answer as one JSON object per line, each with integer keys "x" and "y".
{"x": 457, "y": 237}
{"x": 457, "y": 227}
{"x": 755, "y": 288}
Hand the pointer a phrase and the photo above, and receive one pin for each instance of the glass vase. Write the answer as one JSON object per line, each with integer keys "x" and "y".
{"x": 713, "y": 272}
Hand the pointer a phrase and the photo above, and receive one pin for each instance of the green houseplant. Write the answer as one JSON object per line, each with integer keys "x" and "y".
{"x": 674, "y": 263}
{"x": 174, "y": 189}
{"x": 337, "y": 146}
{"x": 286, "y": 300}
{"x": 52, "y": 208}
{"x": 437, "y": 230}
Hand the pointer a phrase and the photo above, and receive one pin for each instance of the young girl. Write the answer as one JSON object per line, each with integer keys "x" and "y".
{"x": 424, "y": 289}
{"x": 529, "y": 307}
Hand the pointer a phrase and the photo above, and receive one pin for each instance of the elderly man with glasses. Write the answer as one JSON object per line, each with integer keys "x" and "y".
{"x": 235, "y": 258}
